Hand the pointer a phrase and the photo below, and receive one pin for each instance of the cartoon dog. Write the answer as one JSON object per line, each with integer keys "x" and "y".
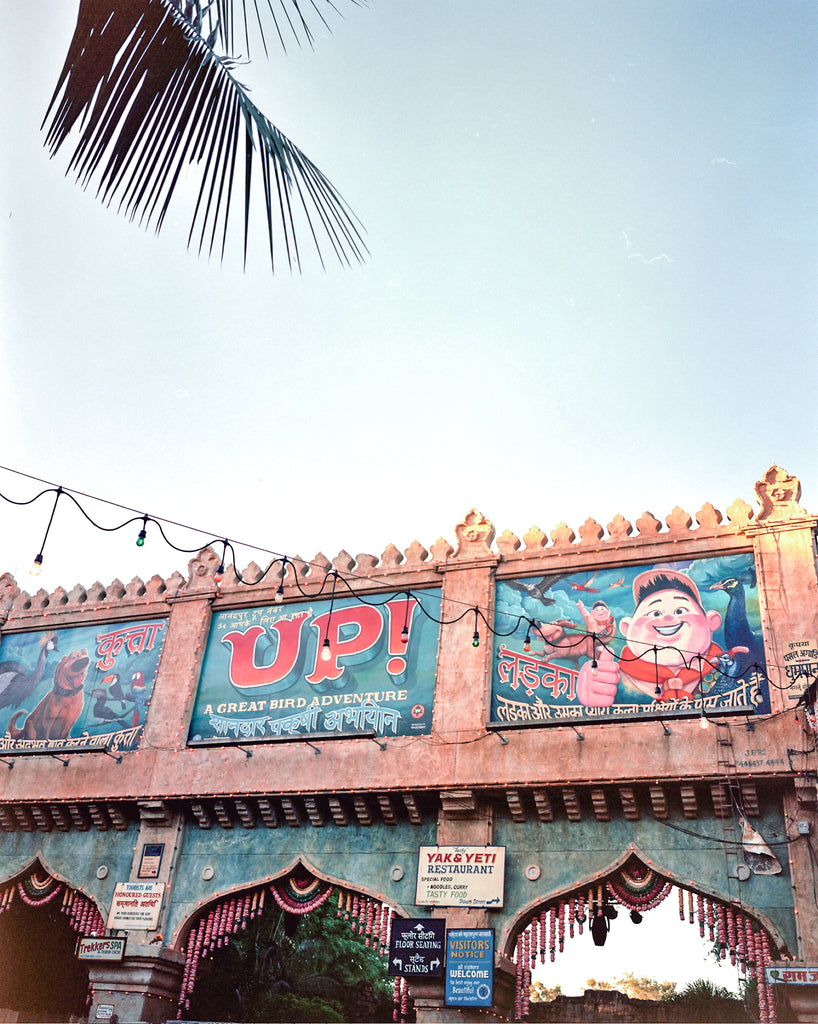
{"x": 57, "y": 712}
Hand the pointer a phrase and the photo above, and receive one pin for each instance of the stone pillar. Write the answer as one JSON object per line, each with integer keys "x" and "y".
{"x": 143, "y": 986}
{"x": 783, "y": 540}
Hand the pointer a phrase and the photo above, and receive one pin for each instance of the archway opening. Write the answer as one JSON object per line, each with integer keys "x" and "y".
{"x": 294, "y": 949}
{"x": 41, "y": 919}
{"x": 612, "y": 910}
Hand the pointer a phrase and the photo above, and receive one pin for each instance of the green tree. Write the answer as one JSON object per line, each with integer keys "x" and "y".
{"x": 282, "y": 967}
{"x": 702, "y": 1000}
{"x": 148, "y": 88}
{"x": 538, "y": 993}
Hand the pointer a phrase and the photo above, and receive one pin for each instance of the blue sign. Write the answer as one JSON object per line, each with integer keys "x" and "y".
{"x": 469, "y": 966}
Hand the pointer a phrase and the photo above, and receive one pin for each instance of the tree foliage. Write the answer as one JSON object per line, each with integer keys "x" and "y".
{"x": 283, "y": 967}
{"x": 636, "y": 987}
{"x": 150, "y": 100}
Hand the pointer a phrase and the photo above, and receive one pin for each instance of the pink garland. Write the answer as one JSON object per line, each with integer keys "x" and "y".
{"x": 31, "y": 902}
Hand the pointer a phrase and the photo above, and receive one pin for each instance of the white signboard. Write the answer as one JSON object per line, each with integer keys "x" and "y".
{"x": 460, "y": 876}
{"x": 101, "y": 949}
{"x": 800, "y": 659}
{"x": 791, "y": 974}
{"x": 136, "y": 906}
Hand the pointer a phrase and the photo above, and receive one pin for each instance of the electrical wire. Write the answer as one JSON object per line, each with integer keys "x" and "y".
{"x": 278, "y": 558}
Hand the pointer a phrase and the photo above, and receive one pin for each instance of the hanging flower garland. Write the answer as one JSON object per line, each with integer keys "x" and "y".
{"x": 36, "y": 892}
{"x": 638, "y": 887}
{"x": 300, "y": 893}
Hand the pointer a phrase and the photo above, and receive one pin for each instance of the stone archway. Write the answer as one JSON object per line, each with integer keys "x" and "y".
{"x": 296, "y": 893}
{"x": 633, "y": 885}
{"x": 41, "y": 919}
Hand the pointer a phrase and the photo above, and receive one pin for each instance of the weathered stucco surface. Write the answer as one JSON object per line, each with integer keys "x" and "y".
{"x": 463, "y": 784}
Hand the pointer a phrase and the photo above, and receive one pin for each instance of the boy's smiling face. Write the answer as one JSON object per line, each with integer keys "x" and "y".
{"x": 674, "y": 623}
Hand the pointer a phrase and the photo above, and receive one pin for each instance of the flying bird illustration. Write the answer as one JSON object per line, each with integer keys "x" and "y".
{"x": 538, "y": 590}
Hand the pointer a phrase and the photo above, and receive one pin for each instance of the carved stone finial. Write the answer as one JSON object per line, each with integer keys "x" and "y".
{"x": 201, "y": 570}
{"x": 474, "y": 535}
{"x": 778, "y": 494}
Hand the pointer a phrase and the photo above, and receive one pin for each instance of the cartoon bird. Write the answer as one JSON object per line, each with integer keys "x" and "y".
{"x": 100, "y": 710}
{"x": 617, "y": 583}
{"x": 115, "y": 692}
{"x": 138, "y": 696}
{"x": 586, "y": 587}
{"x": 16, "y": 683}
{"x": 737, "y": 632}
{"x": 537, "y": 590}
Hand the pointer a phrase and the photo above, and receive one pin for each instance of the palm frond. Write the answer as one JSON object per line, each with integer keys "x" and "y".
{"x": 290, "y": 18}
{"x": 149, "y": 99}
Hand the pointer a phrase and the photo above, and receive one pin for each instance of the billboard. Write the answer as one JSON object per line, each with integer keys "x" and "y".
{"x": 264, "y": 677}
{"x": 673, "y": 638}
{"x": 69, "y": 689}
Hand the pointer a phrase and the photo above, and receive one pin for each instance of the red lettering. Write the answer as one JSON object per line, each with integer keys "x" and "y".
{"x": 368, "y": 624}
{"x": 243, "y": 670}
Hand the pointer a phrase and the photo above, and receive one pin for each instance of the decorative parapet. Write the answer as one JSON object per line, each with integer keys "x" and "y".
{"x": 778, "y": 494}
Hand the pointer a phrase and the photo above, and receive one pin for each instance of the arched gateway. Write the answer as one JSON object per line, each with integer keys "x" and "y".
{"x": 508, "y": 737}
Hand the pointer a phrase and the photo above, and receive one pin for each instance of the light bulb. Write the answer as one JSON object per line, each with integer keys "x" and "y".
{"x": 219, "y": 576}
{"x": 475, "y": 640}
{"x": 703, "y": 723}
{"x": 278, "y": 597}
{"x": 140, "y": 540}
{"x": 404, "y": 635}
{"x": 37, "y": 565}
{"x": 326, "y": 653}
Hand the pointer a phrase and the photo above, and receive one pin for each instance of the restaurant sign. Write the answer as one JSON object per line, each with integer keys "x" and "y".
{"x": 460, "y": 876}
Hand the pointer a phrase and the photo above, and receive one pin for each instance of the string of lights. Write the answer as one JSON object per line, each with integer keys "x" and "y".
{"x": 333, "y": 577}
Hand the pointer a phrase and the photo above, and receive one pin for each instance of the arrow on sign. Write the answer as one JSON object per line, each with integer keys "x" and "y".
{"x": 434, "y": 963}
{"x": 398, "y": 962}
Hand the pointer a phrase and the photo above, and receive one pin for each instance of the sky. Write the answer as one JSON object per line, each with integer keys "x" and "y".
{"x": 590, "y": 290}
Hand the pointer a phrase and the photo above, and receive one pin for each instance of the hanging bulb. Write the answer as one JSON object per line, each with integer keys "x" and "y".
{"x": 703, "y": 723}
{"x": 219, "y": 575}
{"x": 326, "y": 653}
{"x": 37, "y": 565}
{"x": 278, "y": 597}
{"x": 404, "y": 635}
{"x": 140, "y": 540}
{"x": 527, "y": 642}
{"x": 475, "y": 640}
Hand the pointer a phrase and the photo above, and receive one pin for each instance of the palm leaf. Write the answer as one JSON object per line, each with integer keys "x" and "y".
{"x": 149, "y": 98}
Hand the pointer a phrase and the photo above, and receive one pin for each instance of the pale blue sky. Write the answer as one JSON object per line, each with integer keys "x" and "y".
{"x": 591, "y": 287}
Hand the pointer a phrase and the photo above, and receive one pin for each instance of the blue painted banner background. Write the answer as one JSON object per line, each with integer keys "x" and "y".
{"x": 263, "y": 677}
{"x": 67, "y": 689}
{"x": 702, "y": 613}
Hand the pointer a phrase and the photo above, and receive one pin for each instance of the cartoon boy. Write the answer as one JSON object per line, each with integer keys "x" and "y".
{"x": 669, "y": 650}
